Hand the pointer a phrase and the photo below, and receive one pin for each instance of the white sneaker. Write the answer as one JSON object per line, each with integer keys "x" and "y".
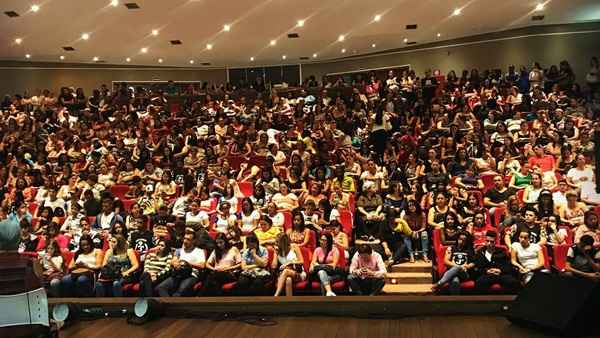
{"x": 330, "y": 294}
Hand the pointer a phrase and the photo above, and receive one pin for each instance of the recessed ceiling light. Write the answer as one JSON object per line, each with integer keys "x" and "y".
{"x": 209, "y": 46}
{"x": 35, "y": 8}
{"x": 439, "y": 34}
{"x": 457, "y": 11}
{"x": 377, "y": 18}
{"x": 114, "y": 3}
{"x": 539, "y": 7}
{"x": 300, "y": 23}
{"x": 343, "y": 50}
{"x": 27, "y": 56}
{"x": 96, "y": 59}
{"x": 85, "y": 36}
{"x": 405, "y": 40}
{"x": 160, "y": 60}
{"x": 128, "y": 60}
{"x": 144, "y": 50}
{"x": 155, "y": 32}
{"x": 252, "y": 58}
{"x": 315, "y": 55}
{"x": 191, "y": 62}
{"x": 226, "y": 28}
{"x": 273, "y": 42}
{"x": 132, "y": 5}
{"x": 18, "y": 41}
{"x": 11, "y": 14}
{"x": 284, "y": 57}
{"x": 62, "y": 57}
{"x": 373, "y": 45}
{"x": 341, "y": 38}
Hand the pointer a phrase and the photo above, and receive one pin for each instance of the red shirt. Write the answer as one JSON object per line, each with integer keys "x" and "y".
{"x": 546, "y": 163}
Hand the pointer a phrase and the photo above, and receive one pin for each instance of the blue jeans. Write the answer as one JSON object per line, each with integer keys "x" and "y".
{"x": 408, "y": 241}
{"x": 82, "y": 286}
{"x": 103, "y": 288}
{"x": 453, "y": 276}
{"x": 54, "y": 287}
{"x": 176, "y": 287}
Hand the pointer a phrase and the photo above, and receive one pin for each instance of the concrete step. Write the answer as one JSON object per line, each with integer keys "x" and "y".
{"x": 407, "y": 289}
{"x": 418, "y": 266}
{"x": 408, "y": 278}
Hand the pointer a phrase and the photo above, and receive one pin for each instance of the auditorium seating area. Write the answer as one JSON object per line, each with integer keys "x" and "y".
{"x": 488, "y": 178}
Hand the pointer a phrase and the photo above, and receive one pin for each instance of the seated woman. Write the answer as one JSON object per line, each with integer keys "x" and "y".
{"x": 370, "y": 215}
{"x": 299, "y": 234}
{"x": 324, "y": 264}
{"x": 470, "y": 208}
{"x": 225, "y": 219}
{"x": 285, "y": 199}
{"x": 290, "y": 263}
{"x": 339, "y": 198}
{"x": 119, "y": 264}
{"x": 157, "y": 267}
{"x": 340, "y": 238}
{"x": 451, "y": 229}
{"x": 415, "y": 218}
{"x": 532, "y": 191}
{"x": 521, "y": 179}
{"x": 573, "y": 212}
{"x": 196, "y": 217}
{"x": 86, "y": 262}
{"x": 266, "y": 232}
{"x": 470, "y": 180}
{"x": 248, "y": 217}
{"x": 222, "y": 264}
{"x": 276, "y": 216}
{"x": 53, "y": 270}
{"x": 459, "y": 262}
{"x": 555, "y": 236}
{"x": 527, "y": 257}
{"x": 255, "y": 273}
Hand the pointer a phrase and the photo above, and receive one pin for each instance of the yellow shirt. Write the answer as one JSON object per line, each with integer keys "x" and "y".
{"x": 266, "y": 235}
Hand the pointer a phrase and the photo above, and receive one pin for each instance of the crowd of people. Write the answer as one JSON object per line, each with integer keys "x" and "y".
{"x": 491, "y": 177}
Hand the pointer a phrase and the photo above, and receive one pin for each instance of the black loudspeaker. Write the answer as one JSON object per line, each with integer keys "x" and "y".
{"x": 557, "y": 305}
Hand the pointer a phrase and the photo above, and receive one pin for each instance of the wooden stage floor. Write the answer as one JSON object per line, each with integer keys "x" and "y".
{"x": 306, "y": 327}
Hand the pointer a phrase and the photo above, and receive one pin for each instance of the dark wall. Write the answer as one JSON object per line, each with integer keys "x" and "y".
{"x": 17, "y": 80}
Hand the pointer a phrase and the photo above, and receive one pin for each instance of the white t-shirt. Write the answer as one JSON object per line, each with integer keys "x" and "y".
{"x": 559, "y": 198}
{"x": 198, "y": 218}
{"x": 222, "y": 224}
{"x": 576, "y": 175}
{"x": 248, "y": 221}
{"x": 528, "y": 257}
{"x": 195, "y": 257}
{"x": 278, "y": 220}
{"x": 588, "y": 192}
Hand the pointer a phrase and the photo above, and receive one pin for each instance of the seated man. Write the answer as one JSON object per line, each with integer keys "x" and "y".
{"x": 583, "y": 260}
{"x": 529, "y": 224}
{"x": 367, "y": 272}
{"x": 186, "y": 264}
{"x": 493, "y": 265}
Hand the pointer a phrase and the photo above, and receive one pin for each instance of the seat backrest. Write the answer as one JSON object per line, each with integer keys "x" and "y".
{"x": 440, "y": 254}
{"x": 306, "y": 256}
{"x": 342, "y": 261}
{"x": 347, "y": 221}
{"x": 437, "y": 239}
{"x": 287, "y": 220}
{"x": 246, "y": 188}
{"x": 560, "y": 256}
{"x": 546, "y": 257}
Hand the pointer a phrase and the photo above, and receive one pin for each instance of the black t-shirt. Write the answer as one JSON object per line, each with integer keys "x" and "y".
{"x": 158, "y": 220}
{"x": 496, "y": 196}
{"x": 28, "y": 244}
{"x": 436, "y": 181}
{"x": 141, "y": 240}
{"x": 579, "y": 260}
{"x": 461, "y": 256}
{"x": 534, "y": 233}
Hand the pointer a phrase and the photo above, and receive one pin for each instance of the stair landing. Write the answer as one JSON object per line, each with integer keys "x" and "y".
{"x": 409, "y": 279}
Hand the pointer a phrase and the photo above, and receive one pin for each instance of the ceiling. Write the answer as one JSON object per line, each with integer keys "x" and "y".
{"x": 117, "y": 33}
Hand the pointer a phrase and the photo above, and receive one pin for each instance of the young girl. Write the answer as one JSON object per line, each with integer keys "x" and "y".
{"x": 52, "y": 268}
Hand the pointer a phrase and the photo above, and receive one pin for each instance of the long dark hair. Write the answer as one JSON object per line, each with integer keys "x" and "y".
{"x": 302, "y": 226}
{"x": 249, "y": 200}
{"x": 329, "y": 245}
{"x": 218, "y": 251}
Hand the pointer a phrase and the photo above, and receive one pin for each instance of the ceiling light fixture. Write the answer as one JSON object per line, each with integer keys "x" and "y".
{"x": 405, "y": 40}
{"x": 96, "y": 59}
{"x": 191, "y": 62}
{"x": 373, "y": 45}
{"x": 62, "y": 57}
{"x": 300, "y": 23}
{"x": 252, "y": 58}
{"x": 377, "y": 18}
{"x": 85, "y": 36}
{"x": 209, "y": 46}
{"x": 155, "y": 32}
{"x": 18, "y": 41}
{"x": 28, "y": 56}
{"x": 128, "y": 60}
{"x": 315, "y": 55}
{"x": 160, "y": 60}
{"x": 284, "y": 57}
{"x": 341, "y": 38}
{"x": 457, "y": 11}
{"x": 144, "y": 50}
{"x": 114, "y": 3}
{"x": 35, "y": 8}
{"x": 539, "y": 7}
{"x": 343, "y": 50}
{"x": 273, "y": 42}
{"x": 226, "y": 28}
{"x": 439, "y": 34}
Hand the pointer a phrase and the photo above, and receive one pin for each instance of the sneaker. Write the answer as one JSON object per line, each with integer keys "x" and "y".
{"x": 330, "y": 294}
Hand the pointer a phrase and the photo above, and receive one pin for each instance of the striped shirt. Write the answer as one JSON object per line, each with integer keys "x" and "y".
{"x": 155, "y": 264}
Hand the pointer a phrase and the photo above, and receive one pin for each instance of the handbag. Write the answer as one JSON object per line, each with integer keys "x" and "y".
{"x": 111, "y": 272}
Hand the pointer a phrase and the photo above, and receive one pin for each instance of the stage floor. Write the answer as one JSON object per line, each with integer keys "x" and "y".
{"x": 303, "y": 327}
